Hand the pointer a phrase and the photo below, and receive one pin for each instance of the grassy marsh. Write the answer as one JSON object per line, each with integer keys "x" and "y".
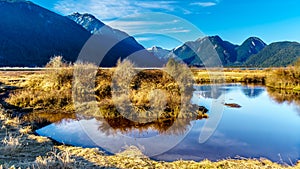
{"x": 50, "y": 92}
{"x": 53, "y": 91}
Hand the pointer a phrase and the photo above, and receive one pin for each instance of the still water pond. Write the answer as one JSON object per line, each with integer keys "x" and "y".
{"x": 266, "y": 125}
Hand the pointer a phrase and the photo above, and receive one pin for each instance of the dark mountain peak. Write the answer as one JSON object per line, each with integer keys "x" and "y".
{"x": 159, "y": 52}
{"x": 215, "y": 38}
{"x": 124, "y": 44}
{"x": 230, "y": 54}
{"x": 88, "y": 21}
{"x": 94, "y": 25}
{"x": 155, "y": 48}
{"x": 189, "y": 52}
{"x": 86, "y": 15}
{"x": 249, "y": 47}
{"x": 31, "y": 35}
{"x": 255, "y": 41}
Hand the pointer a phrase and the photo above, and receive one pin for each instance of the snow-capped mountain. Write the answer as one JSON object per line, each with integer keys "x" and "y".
{"x": 94, "y": 25}
{"x": 251, "y": 46}
{"x": 31, "y": 35}
{"x": 125, "y": 45}
{"x": 159, "y": 52}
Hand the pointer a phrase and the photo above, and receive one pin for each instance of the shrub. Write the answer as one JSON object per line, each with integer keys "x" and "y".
{"x": 48, "y": 90}
{"x": 284, "y": 78}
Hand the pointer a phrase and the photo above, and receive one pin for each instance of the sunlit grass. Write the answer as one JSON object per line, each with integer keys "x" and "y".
{"x": 285, "y": 78}
{"x": 56, "y": 88}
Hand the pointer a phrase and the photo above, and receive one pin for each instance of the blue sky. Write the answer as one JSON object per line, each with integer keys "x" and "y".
{"x": 233, "y": 20}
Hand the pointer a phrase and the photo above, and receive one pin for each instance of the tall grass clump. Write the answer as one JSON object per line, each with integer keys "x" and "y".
{"x": 285, "y": 78}
{"x": 183, "y": 76}
{"x": 124, "y": 91}
{"x": 121, "y": 83}
{"x": 50, "y": 89}
{"x": 154, "y": 94}
{"x": 84, "y": 82}
{"x": 10, "y": 144}
{"x": 56, "y": 159}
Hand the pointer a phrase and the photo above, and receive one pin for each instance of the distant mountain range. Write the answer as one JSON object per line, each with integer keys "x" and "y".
{"x": 229, "y": 54}
{"x": 253, "y": 52}
{"x": 31, "y": 35}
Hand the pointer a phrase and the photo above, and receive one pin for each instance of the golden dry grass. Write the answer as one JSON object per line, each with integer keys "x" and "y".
{"x": 230, "y": 76}
{"x": 55, "y": 90}
{"x": 285, "y": 78}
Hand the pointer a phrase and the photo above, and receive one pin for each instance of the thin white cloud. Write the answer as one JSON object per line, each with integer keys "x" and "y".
{"x": 104, "y": 9}
{"x": 166, "y": 5}
{"x": 110, "y": 9}
{"x": 174, "y": 30}
{"x": 204, "y": 4}
{"x": 127, "y": 23}
{"x": 136, "y": 17}
{"x": 142, "y": 39}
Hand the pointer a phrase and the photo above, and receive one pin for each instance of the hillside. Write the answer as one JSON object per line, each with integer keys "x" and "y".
{"x": 230, "y": 54}
{"x": 31, "y": 35}
{"x": 118, "y": 43}
{"x": 275, "y": 54}
{"x": 248, "y": 48}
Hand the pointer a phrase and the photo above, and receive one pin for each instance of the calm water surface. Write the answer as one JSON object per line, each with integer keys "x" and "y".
{"x": 262, "y": 127}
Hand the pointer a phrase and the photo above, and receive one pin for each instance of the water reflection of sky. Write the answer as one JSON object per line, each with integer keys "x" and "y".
{"x": 260, "y": 128}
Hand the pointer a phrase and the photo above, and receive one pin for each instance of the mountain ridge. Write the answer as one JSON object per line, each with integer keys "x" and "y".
{"x": 229, "y": 54}
{"x": 31, "y": 35}
{"x": 125, "y": 46}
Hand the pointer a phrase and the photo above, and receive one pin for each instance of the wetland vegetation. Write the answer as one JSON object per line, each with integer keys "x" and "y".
{"x": 47, "y": 96}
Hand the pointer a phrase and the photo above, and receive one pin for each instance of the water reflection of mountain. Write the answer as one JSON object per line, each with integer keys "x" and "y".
{"x": 211, "y": 91}
{"x": 215, "y": 91}
{"x": 252, "y": 92}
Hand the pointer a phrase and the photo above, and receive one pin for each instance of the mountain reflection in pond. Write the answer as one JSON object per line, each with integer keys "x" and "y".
{"x": 266, "y": 125}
